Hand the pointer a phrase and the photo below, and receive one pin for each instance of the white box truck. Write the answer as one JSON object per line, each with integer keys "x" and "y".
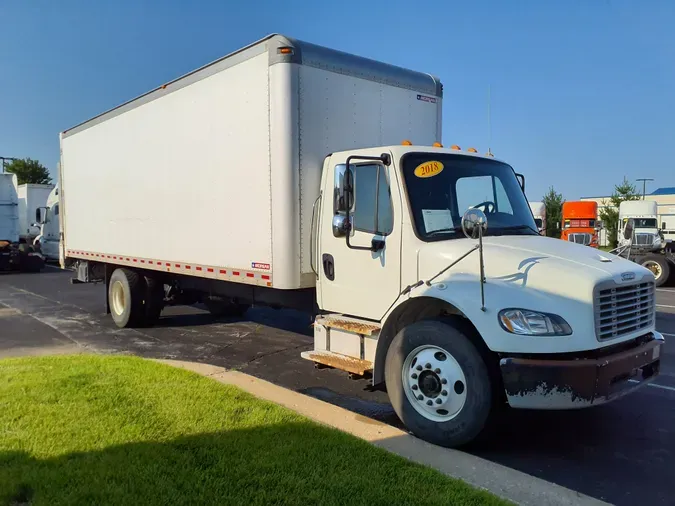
{"x": 324, "y": 176}
{"x": 13, "y": 254}
{"x": 32, "y": 200}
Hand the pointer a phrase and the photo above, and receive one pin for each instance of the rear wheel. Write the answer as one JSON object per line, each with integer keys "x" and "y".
{"x": 438, "y": 383}
{"x": 659, "y": 266}
{"x": 126, "y": 294}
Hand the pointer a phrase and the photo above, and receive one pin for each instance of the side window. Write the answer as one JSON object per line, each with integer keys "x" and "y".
{"x": 371, "y": 209}
{"x": 503, "y": 202}
{"x": 56, "y": 209}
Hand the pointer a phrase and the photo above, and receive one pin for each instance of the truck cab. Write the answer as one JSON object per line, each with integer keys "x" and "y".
{"x": 644, "y": 214}
{"x": 539, "y": 213}
{"x": 580, "y": 223}
{"x": 48, "y": 242}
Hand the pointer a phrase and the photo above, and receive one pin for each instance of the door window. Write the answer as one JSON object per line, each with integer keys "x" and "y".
{"x": 371, "y": 210}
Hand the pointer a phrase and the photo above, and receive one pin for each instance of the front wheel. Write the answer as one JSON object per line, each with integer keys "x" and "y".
{"x": 438, "y": 383}
{"x": 659, "y": 266}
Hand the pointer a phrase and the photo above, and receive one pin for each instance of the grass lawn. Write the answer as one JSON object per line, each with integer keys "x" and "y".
{"x": 121, "y": 430}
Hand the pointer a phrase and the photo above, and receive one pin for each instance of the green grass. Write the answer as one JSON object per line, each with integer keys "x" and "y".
{"x": 121, "y": 430}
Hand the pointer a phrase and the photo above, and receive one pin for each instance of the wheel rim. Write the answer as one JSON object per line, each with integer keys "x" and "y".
{"x": 434, "y": 383}
{"x": 118, "y": 299}
{"x": 654, "y": 267}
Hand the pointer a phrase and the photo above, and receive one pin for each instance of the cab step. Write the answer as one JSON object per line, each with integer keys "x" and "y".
{"x": 339, "y": 361}
{"x": 338, "y": 321}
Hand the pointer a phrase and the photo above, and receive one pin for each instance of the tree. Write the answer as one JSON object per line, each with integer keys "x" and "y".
{"x": 609, "y": 214}
{"x": 553, "y": 201}
{"x": 29, "y": 171}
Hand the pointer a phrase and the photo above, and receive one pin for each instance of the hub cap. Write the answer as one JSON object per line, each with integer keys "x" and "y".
{"x": 118, "y": 299}
{"x": 434, "y": 383}
{"x": 654, "y": 267}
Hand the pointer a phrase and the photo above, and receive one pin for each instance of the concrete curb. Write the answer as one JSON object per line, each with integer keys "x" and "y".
{"x": 505, "y": 482}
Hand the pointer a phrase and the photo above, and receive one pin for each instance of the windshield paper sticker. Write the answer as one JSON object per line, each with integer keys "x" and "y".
{"x": 429, "y": 169}
{"x": 437, "y": 219}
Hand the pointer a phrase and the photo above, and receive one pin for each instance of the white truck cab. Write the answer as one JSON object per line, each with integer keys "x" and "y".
{"x": 48, "y": 217}
{"x": 539, "y": 213}
{"x": 646, "y": 224}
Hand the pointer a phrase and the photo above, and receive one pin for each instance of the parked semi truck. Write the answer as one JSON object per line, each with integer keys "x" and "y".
{"x": 421, "y": 264}
{"x": 580, "y": 223}
{"x": 641, "y": 240}
{"x": 539, "y": 213}
{"x": 13, "y": 254}
{"x": 32, "y": 197}
{"x": 49, "y": 240}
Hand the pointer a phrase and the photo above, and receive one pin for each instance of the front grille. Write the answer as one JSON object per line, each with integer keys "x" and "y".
{"x": 584, "y": 239}
{"x": 622, "y": 310}
{"x": 644, "y": 239}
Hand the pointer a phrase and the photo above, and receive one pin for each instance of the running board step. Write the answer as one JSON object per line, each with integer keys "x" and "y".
{"x": 337, "y": 321}
{"x": 339, "y": 361}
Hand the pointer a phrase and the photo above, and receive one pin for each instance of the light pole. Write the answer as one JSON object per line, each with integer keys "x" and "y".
{"x": 644, "y": 185}
{"x": 4, "y": 158}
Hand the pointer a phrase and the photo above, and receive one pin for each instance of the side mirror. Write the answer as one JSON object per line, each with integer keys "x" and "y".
{"x": 341, "y": 227}
{"x": 663, "y": 225}
{"x": 628, "y": 230}
{"x": 344, "y": 189}
{"x": 598, "y": 224}
{"x": 474, "y": 223}
{"x": 521, "y": 181}
{"x": 38, "y": 215}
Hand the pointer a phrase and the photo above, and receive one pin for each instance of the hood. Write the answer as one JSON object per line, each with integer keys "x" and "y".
{"x": 544, "y": 265}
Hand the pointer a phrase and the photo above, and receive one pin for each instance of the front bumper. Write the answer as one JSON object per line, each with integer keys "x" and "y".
{"x": 578, "y": 382}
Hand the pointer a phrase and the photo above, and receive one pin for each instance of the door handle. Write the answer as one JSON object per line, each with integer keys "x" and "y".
{"x": 328, "y": 266}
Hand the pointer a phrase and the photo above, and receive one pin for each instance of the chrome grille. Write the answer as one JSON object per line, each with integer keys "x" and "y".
{"x": 582, "y": 238}
{"x": 622, "y": 310}
{"x": 644, "y": 239}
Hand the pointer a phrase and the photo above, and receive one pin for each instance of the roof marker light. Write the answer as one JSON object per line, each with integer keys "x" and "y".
{"x": 472, "y": 150}
{"x": 455, "y": 147}
{"x": 437, "y": 145}
{"x": 406, "y": 143}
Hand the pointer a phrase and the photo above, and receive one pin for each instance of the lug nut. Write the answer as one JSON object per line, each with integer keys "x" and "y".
{"x": 420, "y": 397}
{"x": 437, "y": 371}
{"x": 439, "y": 401}
{"x": 414, "y": 387}
{"x": 429, "y": 403}
{"x": 419, "y": 367}
{"x": 414, "y": 376}
{"x": 428, "y": 365}
{"x": 444, "y": 381}
{"x": 444, "y": 392}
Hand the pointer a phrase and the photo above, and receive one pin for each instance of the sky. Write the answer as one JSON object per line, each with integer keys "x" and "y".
{"x": 582, "y": 91}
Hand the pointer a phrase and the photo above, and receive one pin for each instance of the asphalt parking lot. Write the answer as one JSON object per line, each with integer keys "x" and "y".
{"x": 623, "y": 453}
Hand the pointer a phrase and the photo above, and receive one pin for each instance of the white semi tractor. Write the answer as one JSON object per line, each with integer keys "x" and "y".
{"x": 325, "y": 175}
{"x": 539, "y": 213}
{"x": 32, "y": 197}
{"x": 49, "y": 240}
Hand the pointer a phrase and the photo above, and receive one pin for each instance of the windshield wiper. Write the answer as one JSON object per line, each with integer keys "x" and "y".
{"x": 454, "y": 230}
{"x": 516, "y": 227}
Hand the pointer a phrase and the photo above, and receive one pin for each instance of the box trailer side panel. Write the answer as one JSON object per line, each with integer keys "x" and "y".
{"x": 341, "y": 112}
{"x": 180, "y": 179}
{"x": 9, "y": 204}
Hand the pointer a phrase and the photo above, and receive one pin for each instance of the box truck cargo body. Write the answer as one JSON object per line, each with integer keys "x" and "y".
{"x": 232, "y": 154}
{"x": 292, "y": 175}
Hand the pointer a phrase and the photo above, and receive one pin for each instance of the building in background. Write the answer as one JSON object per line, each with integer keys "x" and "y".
{"x": 665, "y": 201}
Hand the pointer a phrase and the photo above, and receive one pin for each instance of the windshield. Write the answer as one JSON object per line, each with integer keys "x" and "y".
{"x": 645, "y": 222}
{"x": 441, "y": 187}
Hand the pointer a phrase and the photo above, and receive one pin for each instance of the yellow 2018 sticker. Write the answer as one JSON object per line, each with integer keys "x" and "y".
{"x": 429, "y": 169}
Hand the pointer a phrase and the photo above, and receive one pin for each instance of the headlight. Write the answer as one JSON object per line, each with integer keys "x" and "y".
{"x": 532, "y": 323}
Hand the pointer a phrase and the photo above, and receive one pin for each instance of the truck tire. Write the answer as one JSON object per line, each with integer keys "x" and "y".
{"x": 126, "y": 292}
{"x": 438, "y": 383}
{"x": 28, "y": 263}
{"x": 659, "y": 266}
{"x": 154, "y": 300}
{"x": 224, "y": 307}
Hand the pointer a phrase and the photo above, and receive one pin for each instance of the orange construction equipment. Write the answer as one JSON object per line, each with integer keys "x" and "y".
{"x": 579, "y": 220}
